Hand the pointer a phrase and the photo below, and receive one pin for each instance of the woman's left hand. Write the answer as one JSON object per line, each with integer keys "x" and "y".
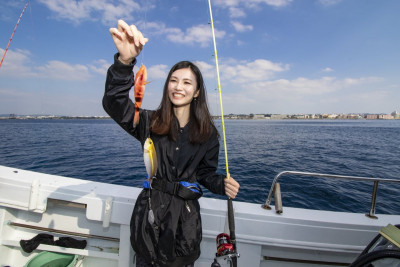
{"x": 231, "y": 187}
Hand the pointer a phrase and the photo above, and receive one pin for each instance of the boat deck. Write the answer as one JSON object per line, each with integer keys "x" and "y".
{"x": 32, "y": 203}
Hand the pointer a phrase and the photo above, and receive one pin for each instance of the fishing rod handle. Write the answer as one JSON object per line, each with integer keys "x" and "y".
{"x": 231, "y": 219}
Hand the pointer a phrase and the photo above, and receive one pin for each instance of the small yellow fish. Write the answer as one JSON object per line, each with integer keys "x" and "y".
{"x": 150, "y": 158}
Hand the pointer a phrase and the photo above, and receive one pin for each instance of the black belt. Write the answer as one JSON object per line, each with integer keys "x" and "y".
{"x": 176, "y": 189}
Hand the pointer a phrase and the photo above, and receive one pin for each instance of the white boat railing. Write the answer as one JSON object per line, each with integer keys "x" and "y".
{"x": 275, "y": 188}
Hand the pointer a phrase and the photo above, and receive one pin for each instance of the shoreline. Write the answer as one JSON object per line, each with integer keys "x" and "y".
{"x": 227, "y": 117}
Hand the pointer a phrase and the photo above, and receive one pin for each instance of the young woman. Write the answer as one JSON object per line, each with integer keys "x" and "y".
{"x": 187, "y": 148}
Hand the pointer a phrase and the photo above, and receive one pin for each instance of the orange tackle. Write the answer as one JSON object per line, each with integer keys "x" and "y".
{"x": 140, "y": 84}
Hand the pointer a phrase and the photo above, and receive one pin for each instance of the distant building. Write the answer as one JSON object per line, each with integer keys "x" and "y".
{"x": 332, "y": 116}
{"x": 396, "y": 115}
{"x": 298, "y": 116}
{"x": 342, "y": 116}
{"x": 312, "y": 116}
{"x": 371, "y": 117}
{"x": 243, "y": 116}
{"x": 385, "y": 117}
{"x": 349, "y": 116}
{"x": 278, "y": 116}
{"x": 258, "y": 116}
{"x": 324, "y": 116}
{"x": 379, "y": 117}
{"x": 353, "y": 116}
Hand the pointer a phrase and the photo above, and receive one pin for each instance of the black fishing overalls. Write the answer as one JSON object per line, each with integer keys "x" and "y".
{"x": 174, "y": 239}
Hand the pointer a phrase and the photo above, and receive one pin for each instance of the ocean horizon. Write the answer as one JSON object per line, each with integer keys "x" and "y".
{"x": 99, "y": 150}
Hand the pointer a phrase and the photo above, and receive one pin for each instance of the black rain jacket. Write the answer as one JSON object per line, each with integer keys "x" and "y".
{"x": 174, "y": 238}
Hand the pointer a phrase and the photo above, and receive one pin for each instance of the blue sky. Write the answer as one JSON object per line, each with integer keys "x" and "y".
{"x": 275, "y": 56}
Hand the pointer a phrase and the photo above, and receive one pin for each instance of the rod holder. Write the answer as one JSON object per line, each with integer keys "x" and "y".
{"x": 371, "y": 213}
{"x": 278, "y": 199}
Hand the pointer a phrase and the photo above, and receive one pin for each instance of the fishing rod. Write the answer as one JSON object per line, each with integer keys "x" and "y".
{"x": 226, "y": 244}
{"x": 15, "y": 28}
{"x": 63, "y": 232}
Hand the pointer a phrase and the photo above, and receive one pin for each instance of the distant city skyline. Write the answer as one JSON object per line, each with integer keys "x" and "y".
{"x": 282, "y": 57}
{"x": 393, "y": 115}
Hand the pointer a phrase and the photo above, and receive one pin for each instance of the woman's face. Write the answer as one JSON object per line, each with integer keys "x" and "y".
{"x": 182, "y": 87}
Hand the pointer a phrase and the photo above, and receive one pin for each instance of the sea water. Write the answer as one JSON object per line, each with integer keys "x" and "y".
{"x": 99, "y": 150}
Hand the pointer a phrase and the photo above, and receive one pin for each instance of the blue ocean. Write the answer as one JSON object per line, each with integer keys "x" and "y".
{"x": 99, "y": 150}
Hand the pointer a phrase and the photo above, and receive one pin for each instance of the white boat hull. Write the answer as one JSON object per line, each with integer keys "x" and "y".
{"x": 297, "y": 237}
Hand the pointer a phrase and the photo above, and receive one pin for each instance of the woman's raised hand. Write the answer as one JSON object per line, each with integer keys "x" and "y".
{"x": 128, "y": 40}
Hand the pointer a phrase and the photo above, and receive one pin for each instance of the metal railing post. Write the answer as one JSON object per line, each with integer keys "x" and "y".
{"x": 371, "y": 213}
{"x": 376, "y": 181}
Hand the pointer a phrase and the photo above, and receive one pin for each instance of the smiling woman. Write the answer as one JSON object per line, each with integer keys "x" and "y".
{"x": 166, "y": 225}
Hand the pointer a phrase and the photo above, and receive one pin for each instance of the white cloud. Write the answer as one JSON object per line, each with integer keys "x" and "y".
{"x": 274, "y": 3}
{"x": 329, "y": 2}
{"x": 253, "y": 84}
{"x": 235, "y": 12}
{"x": 363, "y": 80}
{"x": 156, "y": 28}
{"x": 250, "y": 72}
{"x": 237, "y": 7}
{"x": 227, "y": 3}
{"x": 110, "y": 12}
{"x": 304, "y": 87}
{"x": 100, "y": 66}
{"x": 300, "y": 86}
{"x": 63, "y": 71}
{"x": 158, "y": 72}
{"x": 207, "y": 70}
{"x": 7, "y": 11}
{"x": 241, "y": 27}
{"x": 303, "y": 95}
{"x": 78, "y": 11}
{"x": 200, "y": 34}
{"x": 327, "y": 69}
{"x": 252, "y": 3}
{"x": 17, "y": 63}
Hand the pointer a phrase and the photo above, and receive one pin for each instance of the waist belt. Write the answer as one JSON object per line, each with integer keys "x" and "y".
{"x": 181, "y": 189}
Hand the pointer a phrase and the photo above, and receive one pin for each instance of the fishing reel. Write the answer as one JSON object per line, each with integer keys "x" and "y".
{"x": 225, "y": 251}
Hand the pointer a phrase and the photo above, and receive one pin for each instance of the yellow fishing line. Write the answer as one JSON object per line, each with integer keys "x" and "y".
{"x": 219, "y": 91}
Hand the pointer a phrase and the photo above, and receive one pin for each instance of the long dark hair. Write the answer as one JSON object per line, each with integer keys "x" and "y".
{"x": 200, "y": 122}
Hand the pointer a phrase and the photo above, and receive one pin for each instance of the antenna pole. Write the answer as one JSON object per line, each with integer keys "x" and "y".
{"x": 15, "y": 28}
